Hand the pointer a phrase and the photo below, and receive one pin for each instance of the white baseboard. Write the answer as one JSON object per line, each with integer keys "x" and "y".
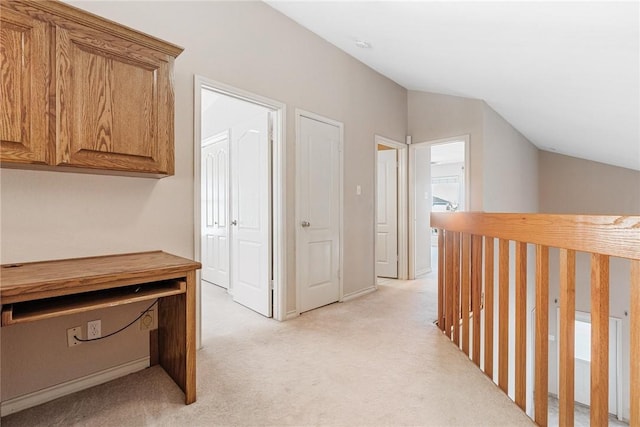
{"x": 293, "y": 314}
{"x": 423, "y": 272}
{"x": 359, "y": 293}
{"x": 50, "y": 393}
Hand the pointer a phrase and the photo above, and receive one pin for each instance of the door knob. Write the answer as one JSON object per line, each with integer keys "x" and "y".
{"x": 234, "y": 222}
{"x": 305, "y": 223}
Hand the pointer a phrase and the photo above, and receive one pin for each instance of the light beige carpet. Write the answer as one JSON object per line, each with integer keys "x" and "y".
{"x": 373, "y": 361}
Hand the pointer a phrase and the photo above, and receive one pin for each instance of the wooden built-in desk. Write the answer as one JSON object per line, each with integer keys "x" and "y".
{"x": 40, "y": 290}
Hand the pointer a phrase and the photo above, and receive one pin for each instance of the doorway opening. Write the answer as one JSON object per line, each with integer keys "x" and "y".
{"x": 390, "y": 239}
{"x": 439, "y": 182}
{"x": 239, "y": 196}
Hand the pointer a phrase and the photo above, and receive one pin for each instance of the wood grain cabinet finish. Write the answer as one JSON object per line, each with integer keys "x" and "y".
{"x": 24, "y": 73}
{"x": 108, "y": 91}
{"x": 113, "y": 108}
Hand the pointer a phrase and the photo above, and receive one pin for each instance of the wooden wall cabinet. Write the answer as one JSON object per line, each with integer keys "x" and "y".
{"x": 24, "y": 89}
{"x": 81, "y": 93}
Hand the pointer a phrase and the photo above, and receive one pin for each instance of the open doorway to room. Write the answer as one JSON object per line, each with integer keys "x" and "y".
{"x": 391, "y": 209}
{"x": 439, "y": 177}
{"x": 238, "y": 206}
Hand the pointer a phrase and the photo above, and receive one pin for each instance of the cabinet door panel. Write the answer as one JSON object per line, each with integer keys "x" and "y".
{"x": 24, "y": 88}
{"x": 113, "y": 109}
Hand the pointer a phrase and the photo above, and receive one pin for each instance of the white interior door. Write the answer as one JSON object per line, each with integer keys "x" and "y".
{"x": 387, "y": 226}
{"x": 215, "y": 209}
{"x": 318, "y": 213}
{"x": 250, "y": 213}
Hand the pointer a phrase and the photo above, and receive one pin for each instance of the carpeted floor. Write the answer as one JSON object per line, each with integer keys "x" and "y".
{"x": 373, "y": 361}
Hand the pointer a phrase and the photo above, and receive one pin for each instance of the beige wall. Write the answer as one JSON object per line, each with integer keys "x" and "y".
{"x": 434, "y": 116}
{"x": 510, "y": 183}
{"x": 571, "y": 185}
{"x": 574, "y": 186}
{"x": 503, "y": 163}
{"x": 510, "y": 167}
{"x": 48, "y": 215}
{"x": 35, "y": 355}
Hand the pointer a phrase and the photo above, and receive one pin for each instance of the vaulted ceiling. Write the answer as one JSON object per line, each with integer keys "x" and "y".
{"x": 565, "y": 74}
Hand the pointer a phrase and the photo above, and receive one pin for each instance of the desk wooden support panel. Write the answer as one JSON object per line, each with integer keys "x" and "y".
{"x": 40, "y": 290}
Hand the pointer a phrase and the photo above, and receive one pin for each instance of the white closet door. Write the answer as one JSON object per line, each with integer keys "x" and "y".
{"x": 387, "y": 213}
{"x": 318, "y": 213}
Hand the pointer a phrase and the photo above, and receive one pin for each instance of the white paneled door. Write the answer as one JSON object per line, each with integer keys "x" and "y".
{"x": 215, "y": 209}
{"x": 387, "y": 213}
{"x": 250, "y": 213}
{"x": 318, "y": 182}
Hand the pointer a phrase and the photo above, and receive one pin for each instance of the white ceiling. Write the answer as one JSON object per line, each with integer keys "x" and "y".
{"x": 565, "y": 74}
{"x": 451, "y": 152}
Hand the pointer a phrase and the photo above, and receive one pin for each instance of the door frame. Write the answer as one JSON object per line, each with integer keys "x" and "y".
{"x": 403, "y": 213}
{"x": 298, "y": 114}
{"x": 278, "y": 191}
{"x": 411, "y": 196}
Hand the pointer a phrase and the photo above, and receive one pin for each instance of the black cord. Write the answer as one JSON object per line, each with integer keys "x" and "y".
{"x": 121, "y": 329}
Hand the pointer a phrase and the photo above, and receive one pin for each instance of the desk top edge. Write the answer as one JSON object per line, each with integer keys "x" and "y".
{"x": 16, "y": 277}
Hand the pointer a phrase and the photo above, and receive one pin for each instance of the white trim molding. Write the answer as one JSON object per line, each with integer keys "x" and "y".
{"x": 411, "y": 190}
{"x": 403, "y": 213}
{"x": 292, "y": 314}
{"x": 359, "y": 293}
{"x": 278, "y": 192}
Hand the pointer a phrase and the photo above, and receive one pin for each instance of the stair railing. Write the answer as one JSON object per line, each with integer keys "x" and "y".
{"x": 466, "y": 258}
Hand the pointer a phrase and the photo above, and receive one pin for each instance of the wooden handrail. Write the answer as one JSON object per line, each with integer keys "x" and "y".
{"x": 617, "y": 236}
{"x": 464, "y": 280}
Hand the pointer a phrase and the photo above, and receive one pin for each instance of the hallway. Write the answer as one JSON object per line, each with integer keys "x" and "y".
{"x": 376, "y": 360}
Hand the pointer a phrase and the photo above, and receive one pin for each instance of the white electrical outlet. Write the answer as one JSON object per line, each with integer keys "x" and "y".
{"x": 148, "y": 321}
{"x": 94, "y": 329}
{"x": 71, "y": 333}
